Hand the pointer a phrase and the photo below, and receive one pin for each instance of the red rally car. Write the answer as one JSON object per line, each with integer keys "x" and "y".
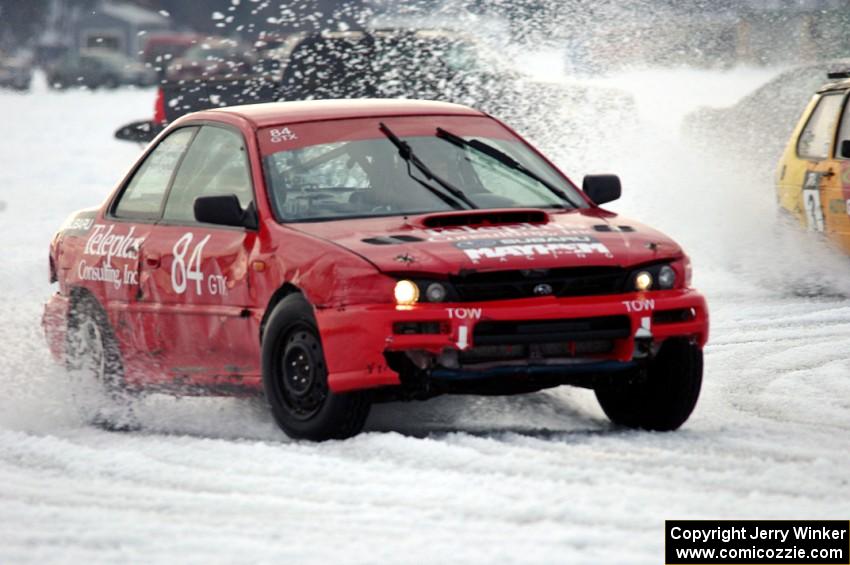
{"x": 332, "y": 254}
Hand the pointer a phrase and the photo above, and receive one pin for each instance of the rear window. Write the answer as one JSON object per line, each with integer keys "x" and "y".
{"x": 349, "y": 168}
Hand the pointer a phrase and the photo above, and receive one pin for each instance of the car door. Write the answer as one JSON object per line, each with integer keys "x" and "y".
{"x": 836, "y": 188}
{"x": 198, "y": 274}
{"x": 128, "y": 227}
{"x": 821, "y": 179}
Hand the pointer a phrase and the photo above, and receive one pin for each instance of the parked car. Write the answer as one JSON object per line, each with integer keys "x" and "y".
{"x": 99, "y": 69}
{"x": 15, "y": 71}
{"x": 162, "y": 48}
{"x": 211, "y": 59}
{"x": 332, "y": 254}
{"x": 813, "y": 176}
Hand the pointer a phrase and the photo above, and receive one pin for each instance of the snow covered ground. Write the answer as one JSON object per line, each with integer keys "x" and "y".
{"x": 541, "y": 478}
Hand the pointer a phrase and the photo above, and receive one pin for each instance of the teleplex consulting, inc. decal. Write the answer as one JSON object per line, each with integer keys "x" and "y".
{"x": 103, "y": 243}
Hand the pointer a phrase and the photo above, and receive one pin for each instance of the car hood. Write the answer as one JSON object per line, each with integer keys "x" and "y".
{"x": 496, "y": 240}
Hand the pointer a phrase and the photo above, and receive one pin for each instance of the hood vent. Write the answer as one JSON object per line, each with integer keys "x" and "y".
{"x": 607, "y": 228}
{"x": 392, "y": 239}
{"x": 486, "y": 218}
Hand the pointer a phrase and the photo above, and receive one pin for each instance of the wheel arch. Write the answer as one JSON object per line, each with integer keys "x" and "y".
{"x": 285, "y": 290}
{"x": 77, "y": 294}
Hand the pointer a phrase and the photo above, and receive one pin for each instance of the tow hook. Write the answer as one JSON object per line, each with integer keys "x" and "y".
{"x": 643, "y": 348}
{"x": 643, "y": 340}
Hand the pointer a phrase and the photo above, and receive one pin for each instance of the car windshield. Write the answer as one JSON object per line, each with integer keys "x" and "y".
{"x": 349, "y": 168}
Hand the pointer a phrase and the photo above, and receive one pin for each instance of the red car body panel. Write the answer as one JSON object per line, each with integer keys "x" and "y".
{"x": 361, "y": 361}
{"x": 205, "y": 331}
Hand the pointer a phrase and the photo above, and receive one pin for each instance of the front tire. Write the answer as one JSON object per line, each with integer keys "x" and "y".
{"x": 295, "y": 378}
{"x": 662, "y": 401}
{"x": 94, "y": 363}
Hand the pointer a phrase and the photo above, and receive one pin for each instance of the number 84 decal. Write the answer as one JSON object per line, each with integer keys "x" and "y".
{"x": 185, "y": 270}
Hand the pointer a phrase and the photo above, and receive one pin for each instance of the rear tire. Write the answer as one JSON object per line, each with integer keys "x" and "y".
{"x": 295, "y": 378}
{"x": 665, "y": 399}
{"x": 94, "y": 364}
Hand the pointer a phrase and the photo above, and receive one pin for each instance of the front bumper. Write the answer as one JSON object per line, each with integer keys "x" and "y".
{"x": 356, "y": 338}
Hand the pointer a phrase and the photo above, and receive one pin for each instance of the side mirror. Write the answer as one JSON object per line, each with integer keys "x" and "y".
{"x": 845, "y": 149}
{"x": 224, "y": 211}
{"x": 142, "y": 132}
{"x": 602, "y": 188}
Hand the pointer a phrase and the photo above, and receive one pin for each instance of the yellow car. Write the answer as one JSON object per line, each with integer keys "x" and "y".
{"x": 813, "y": 177}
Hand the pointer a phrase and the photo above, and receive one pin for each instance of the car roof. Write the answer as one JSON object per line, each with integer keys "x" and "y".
{"x": 834, "y": 65}
{"x": 274, "y": 113}
{"x": 833, "y": 85}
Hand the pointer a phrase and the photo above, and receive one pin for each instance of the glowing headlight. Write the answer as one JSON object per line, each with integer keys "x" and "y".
{"x": 643, "y": 281}
{"x": 666, "y": 277}
{"x": 406, "y": 293}
{"x": 435, "y": 292}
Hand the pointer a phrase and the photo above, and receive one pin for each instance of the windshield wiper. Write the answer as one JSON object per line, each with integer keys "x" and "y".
{"x": 406, "y": 153}
{"x": 505, "y": 159}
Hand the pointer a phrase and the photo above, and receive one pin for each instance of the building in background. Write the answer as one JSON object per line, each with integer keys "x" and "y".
{"x": 72, "y": 26}
{"x": 118, "y": 26}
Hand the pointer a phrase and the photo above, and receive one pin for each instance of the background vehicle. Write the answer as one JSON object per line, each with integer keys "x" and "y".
{"x": 813, "y": 176}
{"x": 211, "y": 59}
{"x": 377, "y": 257}
{"x": 98, "y": 69}
{"x": 15, "y": 70}
{"x": 389, "y": 63}
{"x": 160, "y": 48}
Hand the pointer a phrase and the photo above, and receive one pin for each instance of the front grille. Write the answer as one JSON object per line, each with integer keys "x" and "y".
{"x": 673, "y": 316}
{"x": 533, "y": 351}
{"x": 505, "y": 285}
{"x": 603, "y": 328}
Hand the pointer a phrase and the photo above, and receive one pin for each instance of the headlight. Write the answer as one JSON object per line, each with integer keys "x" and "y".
{"x": 406, "y": 293}
{"x": 435, "y": 292}
{"x": 643, "y": 281}
{"x": 666, "y": 277}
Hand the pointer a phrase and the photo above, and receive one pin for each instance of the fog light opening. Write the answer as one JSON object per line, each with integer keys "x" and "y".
{"x": 666, "y": 277}
{"x": 435, "y": 292}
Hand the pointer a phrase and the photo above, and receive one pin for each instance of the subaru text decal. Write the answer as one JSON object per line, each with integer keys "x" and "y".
{"x": 531, "y": 247}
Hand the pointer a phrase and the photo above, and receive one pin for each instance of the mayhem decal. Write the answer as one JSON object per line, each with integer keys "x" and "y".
{"x": 531, "y": 247}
